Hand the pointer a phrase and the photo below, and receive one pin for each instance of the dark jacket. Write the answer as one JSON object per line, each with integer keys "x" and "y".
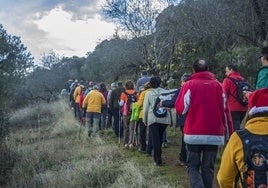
{"x": 171, "y": 104}
{"x": 115, "y": 97}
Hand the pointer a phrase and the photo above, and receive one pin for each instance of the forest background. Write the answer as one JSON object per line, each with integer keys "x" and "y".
{"x": 164, "y": 43}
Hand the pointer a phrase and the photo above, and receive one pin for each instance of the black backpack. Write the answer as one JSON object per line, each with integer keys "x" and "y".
{"x": 131, "y": 98}
{"x": 158, "y": 111}
{"x": 255, "y": 149}
{"x": 241, "y": 85}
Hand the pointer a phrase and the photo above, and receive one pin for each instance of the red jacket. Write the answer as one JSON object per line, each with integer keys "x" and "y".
{"x": 231, "y": 92}
{"x": 208, "y": 119}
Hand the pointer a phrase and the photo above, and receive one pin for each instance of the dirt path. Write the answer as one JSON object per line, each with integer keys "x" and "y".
{"x": 170, "y": 157}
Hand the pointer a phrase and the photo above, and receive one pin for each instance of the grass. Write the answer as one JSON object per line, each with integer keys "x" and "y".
{"x": 50, "y": 153}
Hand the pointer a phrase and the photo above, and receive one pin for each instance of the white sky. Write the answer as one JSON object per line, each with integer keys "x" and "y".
{"x": 69, "y": 27}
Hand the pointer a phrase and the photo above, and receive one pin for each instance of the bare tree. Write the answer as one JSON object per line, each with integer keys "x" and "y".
{"x": 137, "y": 20}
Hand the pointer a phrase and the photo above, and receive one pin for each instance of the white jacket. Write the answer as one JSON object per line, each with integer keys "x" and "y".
{"x": 148, "y": 104}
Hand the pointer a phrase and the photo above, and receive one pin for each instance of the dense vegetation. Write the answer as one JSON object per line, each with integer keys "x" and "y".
{"x": 163, "y": 40}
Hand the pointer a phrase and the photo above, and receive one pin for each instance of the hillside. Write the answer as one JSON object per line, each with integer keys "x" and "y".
{"x": 51, "y": 149}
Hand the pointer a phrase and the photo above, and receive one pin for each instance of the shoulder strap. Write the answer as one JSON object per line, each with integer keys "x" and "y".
{"x": 243, "y": 134}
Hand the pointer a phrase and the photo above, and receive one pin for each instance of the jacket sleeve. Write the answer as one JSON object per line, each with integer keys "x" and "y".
{"x": 183, "y": 100}
{"x": 228, "y": 118}
{"x": 85, "y": 101}
{"x": 226, "y": 86}
{"x": 103, "y": 101}
{"x": 231, "y": 161}
{"x": 140, "y": 100}
{"x": 145, "y": 109}
{"x": 170, "y": 103}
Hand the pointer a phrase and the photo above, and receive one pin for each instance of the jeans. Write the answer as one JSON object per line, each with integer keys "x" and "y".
{"x": 104, "y": 112}
{"x": 110, "y": 118}
{"x": 149, "y": 147}
{"x": 237, "y": 118}
{"x": 164, "y": 137}
{"x": 157, "y": 138}
{"x": 117, "y": 124}
{"x": 201, "y": 157}
{"x": 183, "y": 152}
{"x": 77, "y": 111}
{"x": 92, "y": 122}
{"x": 143, "y": 129}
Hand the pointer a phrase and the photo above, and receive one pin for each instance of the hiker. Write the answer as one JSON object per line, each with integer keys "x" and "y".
{"x": 110, "y": 114}
{"x": 104, "y": 108}
{"x": 234, "y": 158}
{"x": 93, "y": 103}
{"x": 238, "y": 111}
{"x": 77, "y": 94}
{"x": 157, "y": 125}
{"x": 126, "y": 99}
{"x": 72, "y": 89}
{"x": 114, "y": 106}
{"x": 179, "y": 119}
{"x": 89, "y": 88}
{"x": 207, "y": 122}
{"x": 262, "y": 75}
{"x": 143, "y": 128}
{"x": 140, "y": 83}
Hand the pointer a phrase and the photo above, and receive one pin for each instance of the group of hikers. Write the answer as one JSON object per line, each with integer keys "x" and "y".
{"x": 209, "y": 113}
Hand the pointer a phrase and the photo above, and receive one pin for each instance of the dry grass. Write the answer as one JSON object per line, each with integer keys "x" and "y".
{"x": 51, "y": 154}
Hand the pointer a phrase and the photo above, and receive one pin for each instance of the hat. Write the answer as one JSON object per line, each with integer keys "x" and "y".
{"x": 113, "y": 85}
{"x": 258, "y": 101}
{"x": 95, "y": 87}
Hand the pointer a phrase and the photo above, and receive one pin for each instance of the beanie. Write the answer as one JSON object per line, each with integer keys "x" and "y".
{"x": 258, "y": 101}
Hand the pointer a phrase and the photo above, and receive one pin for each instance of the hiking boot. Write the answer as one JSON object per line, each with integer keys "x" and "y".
{"x": 159, "y": 164}
{"x": 126, "y": 145}
{"x": 130, "y": 146}
{"x": 164, "y": 145}
{"x": 141, "y": 151}
{"x": 181, "y": 163}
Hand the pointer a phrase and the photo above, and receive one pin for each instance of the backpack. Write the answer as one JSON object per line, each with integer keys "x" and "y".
{"x": 135, "y": 112}
{"x": 158, "y": 111}
{"x": 255, "y": 149}
{"x": 241, "y": 85}
{"x": 131, "y": 98}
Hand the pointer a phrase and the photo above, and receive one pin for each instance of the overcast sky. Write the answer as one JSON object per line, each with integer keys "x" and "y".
{"x": 69, "y": 27}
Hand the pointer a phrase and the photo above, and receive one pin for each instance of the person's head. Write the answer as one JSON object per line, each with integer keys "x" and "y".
{"x": 258, "y": 103}
{"x": 113, "y": 85}
{"x": 120, "y": 84}
{"x": 185, "y": 77}
{"x": 102, "y": 87}
{"x": 230, "y": 68}
{"x": 96, "y": 87}
{"x": 200, "y": 65}
{"x": 155, "y": 82}
{"x": 147, "y": 85}
{"x": 264, "y": 55}
{"x": 144, "y": 73}
{"x": 129, "y": 84}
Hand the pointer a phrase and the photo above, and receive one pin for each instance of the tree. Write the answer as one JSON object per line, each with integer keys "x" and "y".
{"x": 137, "y": 19}
{"x": 15, "y": 62}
